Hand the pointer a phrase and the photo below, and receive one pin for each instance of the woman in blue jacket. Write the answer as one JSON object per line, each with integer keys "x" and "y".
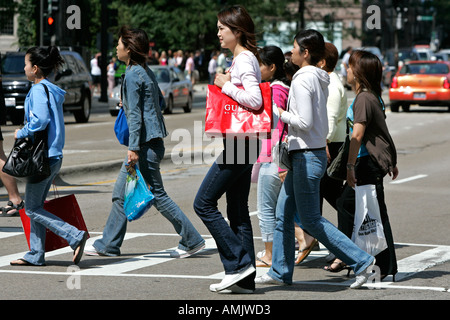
{"x": 142, "y": 102}
{"x": 41, "y": 115}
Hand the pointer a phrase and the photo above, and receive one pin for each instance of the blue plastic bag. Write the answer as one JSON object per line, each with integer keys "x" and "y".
{"x": 121, "y": 128}
{"x": 138, "y": 197}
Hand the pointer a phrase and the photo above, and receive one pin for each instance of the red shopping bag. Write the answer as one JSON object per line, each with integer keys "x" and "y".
{"x": 226, "y": 116}
{"x": 65, "y": 208}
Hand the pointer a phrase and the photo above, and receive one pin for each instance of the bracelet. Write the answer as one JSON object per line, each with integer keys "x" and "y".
{"x": 350, "y": 166}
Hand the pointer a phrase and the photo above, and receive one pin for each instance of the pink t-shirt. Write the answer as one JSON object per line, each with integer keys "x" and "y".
{"x": 280, "y": 93}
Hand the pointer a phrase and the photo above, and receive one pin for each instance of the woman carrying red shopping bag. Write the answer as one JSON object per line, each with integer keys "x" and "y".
{"x": 230, "y": 174}
{"x": 44, "y": 111}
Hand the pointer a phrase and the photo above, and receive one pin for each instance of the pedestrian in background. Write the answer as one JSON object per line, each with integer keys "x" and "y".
{"x": 110, "y": 73}
{"x": 300, "y": 193}
{"x": 96, "y": 73}
{"x": 370, "y": 139}
{"x": 212, "y": 66}
{"x": 234, "y": 241}
{"x": 141, "y": 102}
{"x": 270, "y": 175}
{"x": 45, "y": 112}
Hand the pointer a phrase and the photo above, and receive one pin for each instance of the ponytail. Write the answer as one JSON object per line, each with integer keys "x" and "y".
{"x": 46, "y": 59}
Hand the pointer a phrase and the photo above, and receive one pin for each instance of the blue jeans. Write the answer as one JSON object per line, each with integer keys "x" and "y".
{"x": 41, "y": 219}
{"x": 150, "y": 155}
{"x": 234, "y": 241}
{"x": 301, "y": 193}
{"x": 269, "y": 185}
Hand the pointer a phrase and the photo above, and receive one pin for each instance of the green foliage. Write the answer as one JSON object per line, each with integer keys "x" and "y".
{"x": 27, "y": 24}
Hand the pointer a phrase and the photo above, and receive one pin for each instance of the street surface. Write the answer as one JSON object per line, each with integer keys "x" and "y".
{"x": 418, "y": 205}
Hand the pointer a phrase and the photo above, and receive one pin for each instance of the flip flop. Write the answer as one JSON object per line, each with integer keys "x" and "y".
{"x": 23, "y": 262}
{"x": 78, "y": 253}
{"x": 303, "y": 254}
{"x": 262, "y": 263}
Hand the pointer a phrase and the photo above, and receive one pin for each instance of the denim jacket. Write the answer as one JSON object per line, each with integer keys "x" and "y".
{"x": 143, "y": 103}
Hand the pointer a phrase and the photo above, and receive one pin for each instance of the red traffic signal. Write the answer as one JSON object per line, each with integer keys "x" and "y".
{"x": 50, "y": 21}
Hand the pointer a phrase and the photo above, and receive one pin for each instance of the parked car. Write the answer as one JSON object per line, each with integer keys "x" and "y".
{"x": 74, "y": 77}
{"x": 176, "y": 89}
{"x": 426, "y": 83}
{"x": 443, "y": 55}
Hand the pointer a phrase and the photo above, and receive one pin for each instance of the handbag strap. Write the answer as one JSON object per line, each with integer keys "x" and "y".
{"x": 285, "y": 125}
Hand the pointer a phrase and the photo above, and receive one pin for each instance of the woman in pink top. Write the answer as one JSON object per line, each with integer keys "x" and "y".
{"x": 270, "y": 176}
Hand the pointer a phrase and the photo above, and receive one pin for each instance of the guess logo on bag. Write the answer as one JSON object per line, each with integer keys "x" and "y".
{"x": 234, "y": 108}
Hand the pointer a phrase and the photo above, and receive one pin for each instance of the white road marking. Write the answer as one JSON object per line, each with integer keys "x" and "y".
{"x": 419, "y": 176}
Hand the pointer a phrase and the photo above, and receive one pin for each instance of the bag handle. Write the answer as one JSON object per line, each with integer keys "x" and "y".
{"x": 285, "y": 125}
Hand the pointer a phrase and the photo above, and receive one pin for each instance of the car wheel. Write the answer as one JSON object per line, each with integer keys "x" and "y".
{"x": 188, "y": 107}
{"x": 82, "y": 115}
{"x": 405, "y": 107}
{"x": 169, "y": 106}
{"x": 394, "y": 107}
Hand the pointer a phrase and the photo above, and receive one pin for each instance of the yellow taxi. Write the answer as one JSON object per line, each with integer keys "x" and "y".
{"x": 423, "y": 83}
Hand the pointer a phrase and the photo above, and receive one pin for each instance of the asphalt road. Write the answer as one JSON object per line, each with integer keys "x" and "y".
{"x": 418, "y": 204}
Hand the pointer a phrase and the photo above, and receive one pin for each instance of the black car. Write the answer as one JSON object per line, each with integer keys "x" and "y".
{"x": 73, "y": 77}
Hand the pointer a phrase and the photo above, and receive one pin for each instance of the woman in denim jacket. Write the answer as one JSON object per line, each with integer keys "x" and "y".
{"x": 142, "y": 103}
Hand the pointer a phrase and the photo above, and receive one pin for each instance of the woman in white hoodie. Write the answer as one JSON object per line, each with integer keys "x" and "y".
{"x": 308, "y": 128}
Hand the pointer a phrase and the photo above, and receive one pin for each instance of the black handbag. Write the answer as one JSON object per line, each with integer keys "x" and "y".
{"x": 29, "y": 158}
{"x": 338, "y": 167}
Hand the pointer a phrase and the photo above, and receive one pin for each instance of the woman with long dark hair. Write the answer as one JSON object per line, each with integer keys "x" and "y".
{"x": 372, "y": 152}
{"x": 227, "y": 175}
{"x": 143, "y": 103}
{"x": 44, "y": 111}
{"x": 300, "y": 193}
{"x": 270, "y": 176}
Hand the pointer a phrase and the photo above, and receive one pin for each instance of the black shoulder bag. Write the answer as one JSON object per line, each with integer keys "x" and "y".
{"x": 29, "y": 157}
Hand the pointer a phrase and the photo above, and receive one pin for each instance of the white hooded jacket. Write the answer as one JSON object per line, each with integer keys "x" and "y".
{"x": 307, "y": 115}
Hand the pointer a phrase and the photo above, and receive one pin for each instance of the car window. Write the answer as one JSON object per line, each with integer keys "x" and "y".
{"x": 161, "y": 74}
{"x": 71, "y": 63}
{"x": 13, "y": 64}
{"x": 425, "y": 68}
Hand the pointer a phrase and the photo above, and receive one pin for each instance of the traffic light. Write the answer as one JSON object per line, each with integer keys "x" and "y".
{"x": 50, "y": 26}
{"x": 50, "y": 20}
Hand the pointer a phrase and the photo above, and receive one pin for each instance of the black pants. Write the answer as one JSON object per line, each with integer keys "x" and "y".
{"x": 331, "y": 189}
{"x": 367, "y": 172}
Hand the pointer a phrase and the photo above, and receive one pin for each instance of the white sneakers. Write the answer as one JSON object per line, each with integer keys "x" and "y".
{"x": 230, "y": 280}
{"x": 363, "y": 277}
{"x": 266, "y": 279}
{"x": 180, "y": 254}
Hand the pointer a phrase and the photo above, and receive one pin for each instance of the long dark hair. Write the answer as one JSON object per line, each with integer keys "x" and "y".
{"x": 136, "y": 40}
{"x": 46, "y": 59}
{"x": 238, "y": 20}
{"x": 313, "y": 41}
{"x": 273, "y": 55}
{"x": 367, "y": 70}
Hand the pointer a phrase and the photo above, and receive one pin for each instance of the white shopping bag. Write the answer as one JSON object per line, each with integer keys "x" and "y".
{"x": 368, "y": 233}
